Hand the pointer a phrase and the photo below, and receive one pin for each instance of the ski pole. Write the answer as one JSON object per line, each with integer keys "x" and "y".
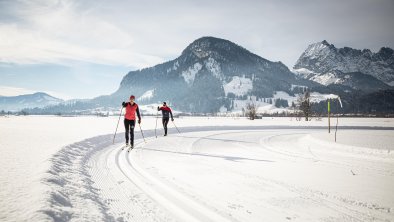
{"x": 157, "y": 116}
{"x": 120, "y": 114}
{"x": 336, "y": 126}
{"x": 142, "y": 133}
{"x": 176, "y": 127}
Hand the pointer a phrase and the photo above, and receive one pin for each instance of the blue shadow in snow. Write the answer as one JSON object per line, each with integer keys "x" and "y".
{"x": 210, "y": 138}
{"x": 230, "y": 158}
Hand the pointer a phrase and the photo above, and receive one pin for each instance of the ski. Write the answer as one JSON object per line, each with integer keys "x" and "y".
{"x": 124, "y": 146}
{"x": 130, "y": 148}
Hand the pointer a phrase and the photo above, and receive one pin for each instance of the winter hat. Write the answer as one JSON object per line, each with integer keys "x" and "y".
{"x": 132, "y": 97}
{"x": 164, "y": 103}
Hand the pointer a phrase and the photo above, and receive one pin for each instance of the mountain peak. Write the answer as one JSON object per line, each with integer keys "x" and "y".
{"x": 41, "y": 94}
{"x": 323, "y": 57}
{"x": 206, "y": 73}
{"x": 208, "y": 41}
{"x": 38, "y": 99}
{"x": 386, "y": 53}
{"x": 324, "y": 42}
{"x": 208, "y": 45}
{"x": 316, "y": 49}
{"x": 209, "y": 38}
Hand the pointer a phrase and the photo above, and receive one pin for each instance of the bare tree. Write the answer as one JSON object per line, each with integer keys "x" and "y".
{"x": 296, "y": 111}
{"x": 251, "y": 110}
{"x": 304, "y": 104}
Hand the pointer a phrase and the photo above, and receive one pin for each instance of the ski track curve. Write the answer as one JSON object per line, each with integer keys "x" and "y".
{"x": 184, "y": 208}
{"x": 94, "y": 180}
{"x": 350, "y": 209}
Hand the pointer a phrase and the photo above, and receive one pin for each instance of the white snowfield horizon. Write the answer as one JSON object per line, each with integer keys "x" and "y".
{"x": 216, "y": 169}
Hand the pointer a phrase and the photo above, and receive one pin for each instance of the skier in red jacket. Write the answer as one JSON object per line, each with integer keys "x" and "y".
{"x": 129, "y": 119}
{"x": 166, "y": 112}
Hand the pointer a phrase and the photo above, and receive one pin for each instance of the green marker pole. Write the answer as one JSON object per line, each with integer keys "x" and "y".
{"x": 328, "y": 109}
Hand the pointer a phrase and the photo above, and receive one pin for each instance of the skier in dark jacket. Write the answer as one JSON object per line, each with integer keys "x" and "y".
{"x": 129, "y": 119}
{"x": 166, "y": 112}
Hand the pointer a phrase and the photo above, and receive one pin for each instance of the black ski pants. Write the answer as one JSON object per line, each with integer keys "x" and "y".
{"x": 165, "y": 123}
{"x": 129, "y": 126}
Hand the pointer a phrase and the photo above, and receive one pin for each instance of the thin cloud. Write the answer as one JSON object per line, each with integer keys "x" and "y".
{"x": 141, "y": 34}
{"x": 59, "y": 34}
{"x": 14, "y": 91}
{"x": 17, "y": 91}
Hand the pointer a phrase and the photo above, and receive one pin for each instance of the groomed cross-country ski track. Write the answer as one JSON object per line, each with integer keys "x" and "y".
{"x": 222, "y": 173}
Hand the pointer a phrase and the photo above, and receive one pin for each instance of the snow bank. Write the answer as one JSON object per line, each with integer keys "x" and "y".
{"x": 27, "y": 144}
{"x": 71, "y": 194}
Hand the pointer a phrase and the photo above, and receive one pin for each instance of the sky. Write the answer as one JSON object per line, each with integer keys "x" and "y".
{"x": 75, "y": 49}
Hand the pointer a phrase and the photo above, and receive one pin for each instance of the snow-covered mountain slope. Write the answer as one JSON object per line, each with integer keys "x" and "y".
{"x": 213, "y": 75}
{"x": 323, "y": 58}
{"x": 207, "y": 75}
{"x": 16, "y": 103}
{"x": 147, "y": 95}
{"x": 354, "y": 80}
{"x": 239, "y": 86}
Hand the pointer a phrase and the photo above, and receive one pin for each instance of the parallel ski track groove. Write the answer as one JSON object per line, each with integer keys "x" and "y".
{"x": 196, "y": 215}
{"x": 189, "y": 209}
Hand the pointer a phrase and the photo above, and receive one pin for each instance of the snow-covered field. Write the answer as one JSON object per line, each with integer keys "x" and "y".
{"x": 216, "y": 169}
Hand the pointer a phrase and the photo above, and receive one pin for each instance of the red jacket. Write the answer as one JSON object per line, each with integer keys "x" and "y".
{"x": 131, "y": 110}
{"x": 166, "y": 111}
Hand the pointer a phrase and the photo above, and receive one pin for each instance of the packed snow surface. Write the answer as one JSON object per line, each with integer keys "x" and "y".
{"x": 216, "y": 169}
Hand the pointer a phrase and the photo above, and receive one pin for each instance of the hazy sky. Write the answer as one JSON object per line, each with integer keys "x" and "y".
{"x": 83, "y": 48}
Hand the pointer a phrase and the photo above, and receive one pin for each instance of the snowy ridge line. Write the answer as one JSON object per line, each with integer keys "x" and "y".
{"x": 194, "y": 211}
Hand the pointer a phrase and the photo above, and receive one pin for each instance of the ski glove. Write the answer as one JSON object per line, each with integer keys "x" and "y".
{"x": 123, "y": 104}
{"x": 172, "y": 119}
{"x": 139, "y": 121}
{"x": 158, "y": 108}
